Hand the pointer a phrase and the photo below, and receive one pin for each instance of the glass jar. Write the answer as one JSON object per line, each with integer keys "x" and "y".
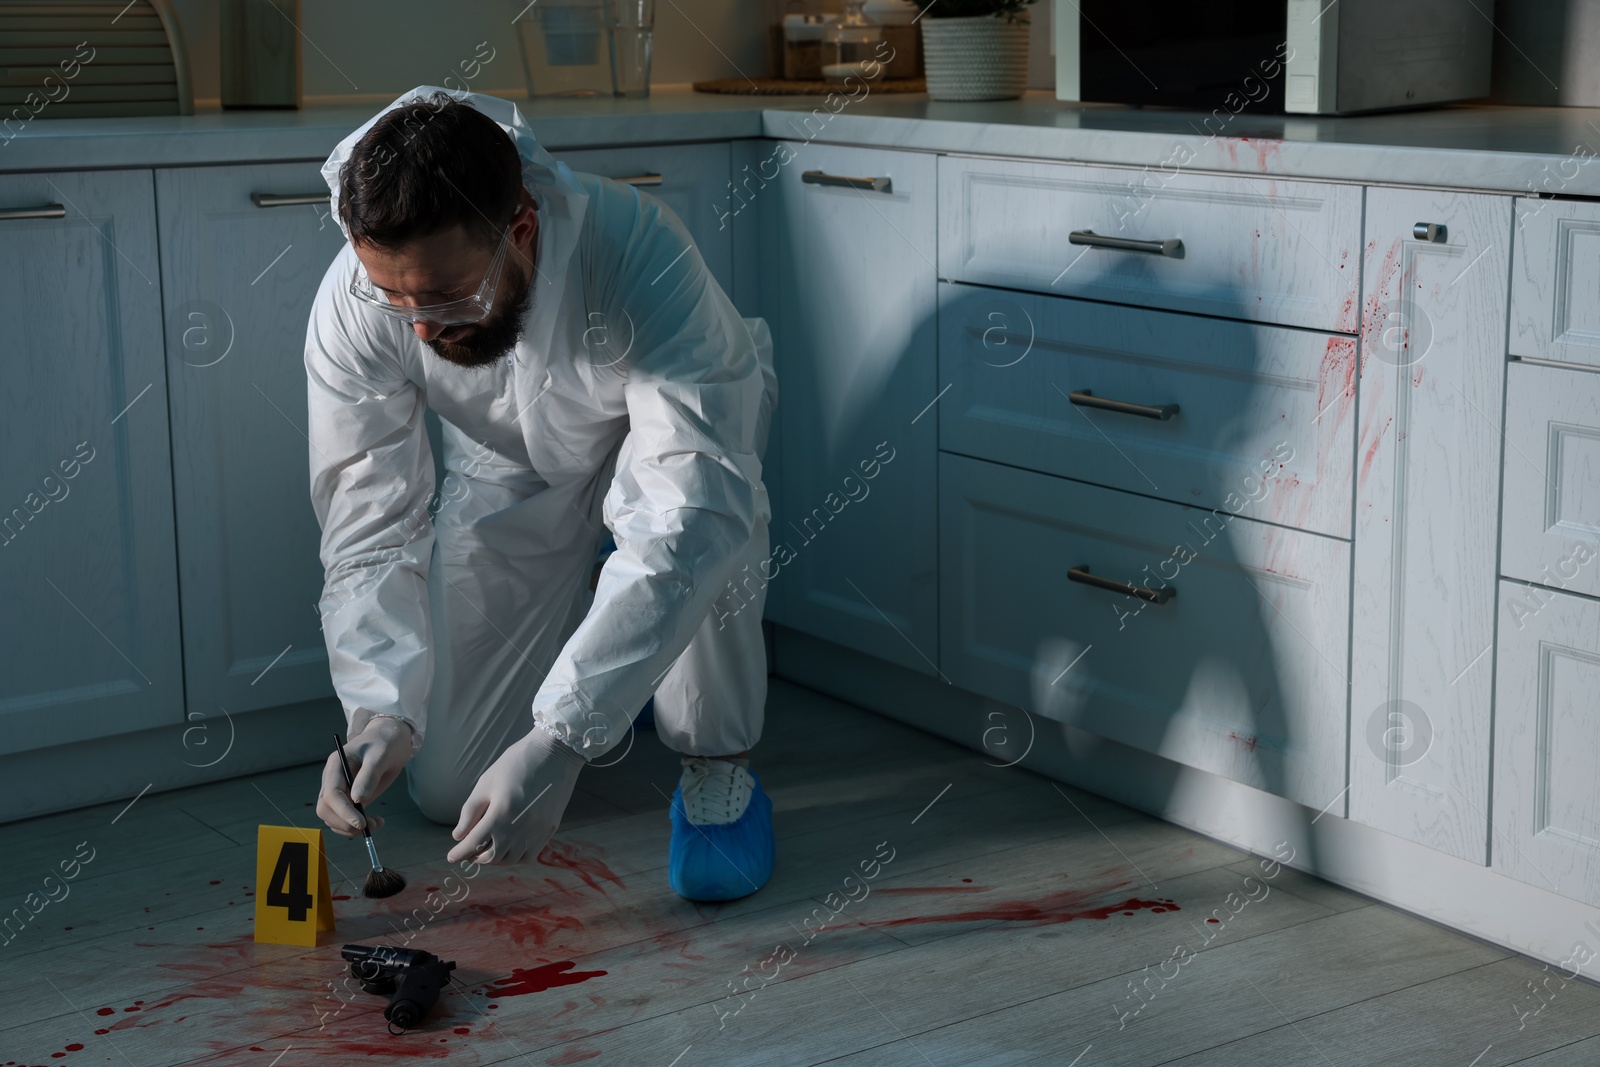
{"x": 850, "y": 45}
{"x": 803, "y": 45}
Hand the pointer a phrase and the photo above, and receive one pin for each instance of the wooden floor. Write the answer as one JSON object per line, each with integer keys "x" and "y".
{"x": 1015, "y": 922}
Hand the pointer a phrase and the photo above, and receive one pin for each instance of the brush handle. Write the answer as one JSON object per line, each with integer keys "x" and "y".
{"x": 350, "y": 785}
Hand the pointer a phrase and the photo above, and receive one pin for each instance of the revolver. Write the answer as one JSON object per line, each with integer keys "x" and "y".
{"x": 409, "y": 977}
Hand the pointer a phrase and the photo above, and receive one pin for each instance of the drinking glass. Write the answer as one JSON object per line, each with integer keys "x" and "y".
{"x": 629, "y": 24}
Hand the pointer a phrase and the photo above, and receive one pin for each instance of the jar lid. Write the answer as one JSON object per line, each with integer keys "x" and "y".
{"x": 806, "y": 27}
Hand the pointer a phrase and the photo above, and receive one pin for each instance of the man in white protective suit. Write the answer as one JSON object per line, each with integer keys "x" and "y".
{"x": 589, "y": 375}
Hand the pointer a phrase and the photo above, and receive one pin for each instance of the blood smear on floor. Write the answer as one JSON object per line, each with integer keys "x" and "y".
{"x": 538, "y": 979}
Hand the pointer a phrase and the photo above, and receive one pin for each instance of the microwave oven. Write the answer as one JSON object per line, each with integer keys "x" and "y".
{"x": 1312, "y": 57}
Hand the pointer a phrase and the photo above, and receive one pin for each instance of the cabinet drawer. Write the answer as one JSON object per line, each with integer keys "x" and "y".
{"x": 1246, "y": 248}
{"x": 1026, "y": 372}
{"x": 1550, "y": 511}
{"x": 1555, "y": 270}
{"x": 1240, "y": 673}
{"x": 1547, "y": 741}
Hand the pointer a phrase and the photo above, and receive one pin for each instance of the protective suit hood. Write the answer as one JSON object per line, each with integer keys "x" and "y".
{"x": 550, "y": 182}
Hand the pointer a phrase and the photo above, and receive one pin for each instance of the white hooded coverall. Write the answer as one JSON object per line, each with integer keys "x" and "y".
{"x": 638, "y": 397}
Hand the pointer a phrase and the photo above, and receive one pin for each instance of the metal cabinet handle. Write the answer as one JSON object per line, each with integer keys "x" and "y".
{"x": 1154, "y": 596}
{"x": 817, "y": 177}
{"x": 1085, "y": 399}
{"x": 1172, "y": 246}
{"x": 43, "y": 211}
{"x": 287, "y": 199}
{"x": 1429, "y": 231}
{"x": 641, "y": 179}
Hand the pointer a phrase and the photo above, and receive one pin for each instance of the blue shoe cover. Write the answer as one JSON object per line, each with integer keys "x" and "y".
{"x": 710, "y": 863}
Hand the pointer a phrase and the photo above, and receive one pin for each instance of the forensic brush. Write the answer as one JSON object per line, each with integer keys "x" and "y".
{"x": 381, "y": 882}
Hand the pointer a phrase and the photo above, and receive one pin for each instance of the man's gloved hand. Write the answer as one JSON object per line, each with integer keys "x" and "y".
{"x": 518, "y": 801}
{"x": 376, "y": 756}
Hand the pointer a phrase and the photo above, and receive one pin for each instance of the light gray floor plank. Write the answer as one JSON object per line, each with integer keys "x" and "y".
{"x": 139, "y": 838}
{"x": 895, "y": 1054}
{"x": 1455, "y": 1018}
{"x": 1283, "y": 1047}
{"x": 1467, "y": 1018}
{"x": 1330, "y": 896}
{"x": 1578, "y": 1054}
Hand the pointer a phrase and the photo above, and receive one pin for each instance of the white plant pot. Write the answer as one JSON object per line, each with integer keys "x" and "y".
{"x": 984, "y": 58}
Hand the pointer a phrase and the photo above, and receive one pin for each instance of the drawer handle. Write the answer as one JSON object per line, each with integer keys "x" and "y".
{"x": 817, "y": 177}
{"x": 287, "y": 199}
{"x": 43, "y": 211}
{"x": 1154, "y": 596}
{"x": 1172, "y": 246}
{"x": 1429, "y": 231}
{"x": 1085, "y": 399}
{"x": 640, "y": 179}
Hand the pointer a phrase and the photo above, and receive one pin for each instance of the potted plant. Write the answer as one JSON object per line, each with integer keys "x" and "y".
{"x": 975, "y": 49}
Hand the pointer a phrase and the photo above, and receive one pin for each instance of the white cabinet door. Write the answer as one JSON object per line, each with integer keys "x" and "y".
{"x": 848, "y": 286}
{"x": 691, "y": 179}
{"x": 238, "y": 282}
{"x": 1240, "y": 670}
{"x": 1547, "y": 742}
{"x": 1550, "y": 520}
{"x": 1428, "y": 446}
{"x": 88, "y": 582}
{"x": 1554, "y": 278}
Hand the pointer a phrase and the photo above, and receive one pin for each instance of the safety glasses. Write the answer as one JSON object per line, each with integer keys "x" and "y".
{"x": 452, "y": 312}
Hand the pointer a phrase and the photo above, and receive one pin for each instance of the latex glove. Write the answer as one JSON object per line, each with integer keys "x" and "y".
{"x": 376, "y": 756}
{"x": 518, "y": 801}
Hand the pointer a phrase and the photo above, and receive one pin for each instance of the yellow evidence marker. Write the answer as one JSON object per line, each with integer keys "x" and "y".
{"x": 290, "y": 907}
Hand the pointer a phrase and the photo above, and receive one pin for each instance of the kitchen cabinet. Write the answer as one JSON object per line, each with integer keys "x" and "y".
{"x": 87, "y": 557}
{"x": 238, "y": 275}
{"x": 1213, "y": 640}
{"x": 1547, "y": 741}
{"x": 1428, "y": 454}
{"x": 848, "y": 289}
{"x": 691, "y": 179}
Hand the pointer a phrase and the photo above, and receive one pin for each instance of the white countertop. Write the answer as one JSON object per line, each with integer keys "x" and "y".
{"x": 1501, "y": 149}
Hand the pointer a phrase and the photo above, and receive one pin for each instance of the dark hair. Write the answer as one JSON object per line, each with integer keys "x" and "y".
{"x": 427, "y": 166}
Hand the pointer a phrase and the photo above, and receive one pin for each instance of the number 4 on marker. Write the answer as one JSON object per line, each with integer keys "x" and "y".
{"x": 289, "y": 911}
{"x": 287, "y": 886}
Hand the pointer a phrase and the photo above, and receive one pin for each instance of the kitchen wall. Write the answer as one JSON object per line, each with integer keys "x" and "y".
{"x": 1547, "y": 52}
{"x": 374, "y": 50}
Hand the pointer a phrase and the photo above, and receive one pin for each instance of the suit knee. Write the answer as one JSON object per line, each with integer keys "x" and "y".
{"x": 439, "y": 799}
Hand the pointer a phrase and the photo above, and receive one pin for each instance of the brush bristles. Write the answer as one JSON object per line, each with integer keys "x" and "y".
{"x": 382, "y": 882}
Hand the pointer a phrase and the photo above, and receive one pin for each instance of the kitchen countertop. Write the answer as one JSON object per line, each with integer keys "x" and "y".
{"x": 1498, "y": 149}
